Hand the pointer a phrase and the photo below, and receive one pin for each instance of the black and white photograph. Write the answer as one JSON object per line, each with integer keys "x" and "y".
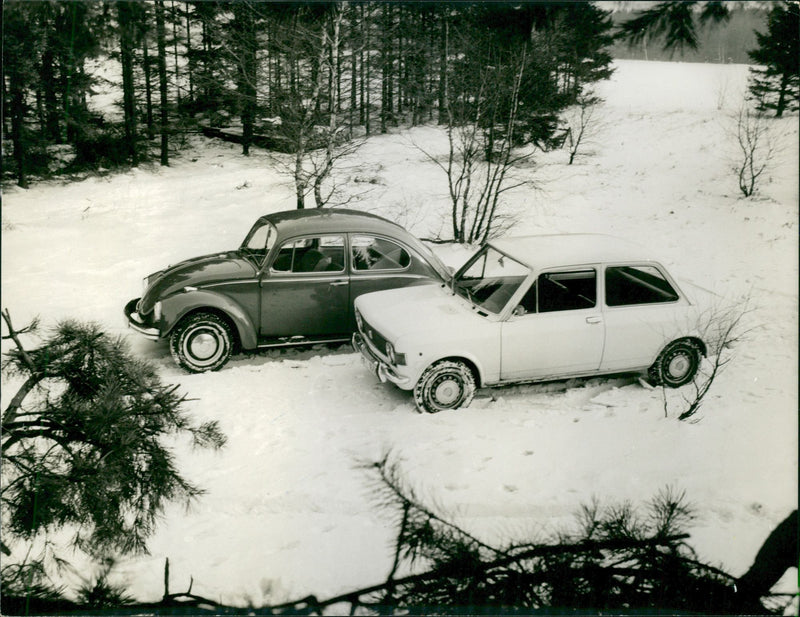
{"x": 400, "y": 307}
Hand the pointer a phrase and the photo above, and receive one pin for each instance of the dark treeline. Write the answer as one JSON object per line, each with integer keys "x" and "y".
{"x": 281, "y": 73}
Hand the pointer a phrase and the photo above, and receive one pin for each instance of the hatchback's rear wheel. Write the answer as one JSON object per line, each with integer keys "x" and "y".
{"x": 202, "y": 342}
{"x": 676, "y": 365}
{"x": 447, "y": 384}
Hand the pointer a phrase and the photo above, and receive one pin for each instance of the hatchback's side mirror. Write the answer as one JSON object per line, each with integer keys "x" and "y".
{"x": 519, "y": 310}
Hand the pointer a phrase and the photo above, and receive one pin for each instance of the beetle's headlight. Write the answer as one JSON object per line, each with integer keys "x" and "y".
{"x": 359, "y": 321}
{"x": 157, "y": 311}
{"x": 145, "y": 285}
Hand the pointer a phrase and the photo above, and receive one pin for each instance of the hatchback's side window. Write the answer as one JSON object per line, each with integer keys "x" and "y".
{"x": 566, "y": 291}
{"x": 314, "y": 254}
{"x": 371, "y": 253}
{"x": 627, "y": 285}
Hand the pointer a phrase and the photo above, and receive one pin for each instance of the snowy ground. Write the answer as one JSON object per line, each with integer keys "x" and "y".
{"x": 288, "y": 513}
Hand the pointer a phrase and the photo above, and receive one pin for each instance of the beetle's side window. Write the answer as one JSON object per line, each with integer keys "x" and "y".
{"x": 627, "y": 285}
{"x": 313, "y": 254}
{"x": 566, "y": 291}
{"x": 371, "y": 253}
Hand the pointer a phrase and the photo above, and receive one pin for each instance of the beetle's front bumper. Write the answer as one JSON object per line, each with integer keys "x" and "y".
{"x": 376, "y": 365}
{"x": 135, "y": 321}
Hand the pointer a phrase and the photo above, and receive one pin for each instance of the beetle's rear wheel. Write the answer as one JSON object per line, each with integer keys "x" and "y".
{"x": 202, "y": 342}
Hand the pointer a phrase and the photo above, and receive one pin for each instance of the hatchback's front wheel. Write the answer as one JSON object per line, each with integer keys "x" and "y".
{"x": 202, "y": 342}
{"x": 447, "y": 384}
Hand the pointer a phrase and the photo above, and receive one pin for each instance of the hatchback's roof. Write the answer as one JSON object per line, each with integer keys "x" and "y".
{"x": 552, "y": 251}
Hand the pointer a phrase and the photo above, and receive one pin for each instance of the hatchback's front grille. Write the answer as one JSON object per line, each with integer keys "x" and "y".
{"x": 373, "y": 335}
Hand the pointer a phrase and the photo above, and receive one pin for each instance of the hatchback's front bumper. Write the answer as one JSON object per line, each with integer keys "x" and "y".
{"x": 376, "y": 365}
{"x": 135, "y": 321}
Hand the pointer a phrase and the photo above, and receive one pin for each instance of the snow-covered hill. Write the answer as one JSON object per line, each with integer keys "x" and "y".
{"x": 287, "y": 511}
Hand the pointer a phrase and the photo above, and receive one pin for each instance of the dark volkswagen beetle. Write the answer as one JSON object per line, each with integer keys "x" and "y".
{"x": 291, "y": 282}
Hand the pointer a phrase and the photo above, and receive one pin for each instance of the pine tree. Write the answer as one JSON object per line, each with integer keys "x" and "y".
{"x": 676, "y": 22}
{"x": 775, "y": 86}
{"x": 82, "y": 443}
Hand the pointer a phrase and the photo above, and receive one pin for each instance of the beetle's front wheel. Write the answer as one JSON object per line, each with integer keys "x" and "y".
{"x": 676, "y": 365}
{"x": 202, "y": 342}
{"x": 446, "y": 384}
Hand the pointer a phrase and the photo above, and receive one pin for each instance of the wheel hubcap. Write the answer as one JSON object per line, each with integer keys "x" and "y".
{"x": 447, "y": 392}
{"x": 679, "y": 366}
{"x": 203, "y": 345}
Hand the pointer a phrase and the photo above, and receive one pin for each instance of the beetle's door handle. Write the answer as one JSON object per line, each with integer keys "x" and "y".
{"x": 338, "y": 283}
{"x": 594, "y": 319}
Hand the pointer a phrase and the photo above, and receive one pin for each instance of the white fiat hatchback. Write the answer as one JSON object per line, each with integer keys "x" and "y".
{"x": 533, "y": 308}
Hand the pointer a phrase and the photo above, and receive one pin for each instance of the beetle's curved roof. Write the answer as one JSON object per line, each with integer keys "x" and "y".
{"x": 329, "y": 220}
{"x": 556, "y": 250}
{"x": 293, "y": 223}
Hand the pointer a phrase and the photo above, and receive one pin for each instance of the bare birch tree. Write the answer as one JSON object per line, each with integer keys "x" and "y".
{"x": 581, "y": 125}
{"x": 723, "y": 328}
{"x": 481, "y": 154}
{"x": 756, "y": 148}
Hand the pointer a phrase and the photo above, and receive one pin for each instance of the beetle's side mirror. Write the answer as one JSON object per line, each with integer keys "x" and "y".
{"x": 519, "y": 310}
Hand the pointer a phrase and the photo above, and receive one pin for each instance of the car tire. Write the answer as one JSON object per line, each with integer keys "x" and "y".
{"x": 202, "y": 342}
{"x": 447, "y": 384}
{"x": 676, "y": 365}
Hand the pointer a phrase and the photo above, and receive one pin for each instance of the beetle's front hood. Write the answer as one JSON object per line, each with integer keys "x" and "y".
{"x": 421, "y": 311}
{"x": 196, "y": 272}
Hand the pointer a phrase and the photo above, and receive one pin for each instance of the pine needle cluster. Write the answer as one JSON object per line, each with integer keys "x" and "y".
{"x": 620, "y": 559}
{"x": 83, "y": 443}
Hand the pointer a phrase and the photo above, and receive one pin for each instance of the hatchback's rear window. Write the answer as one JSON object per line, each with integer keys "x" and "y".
{"x": 628, "y": 285}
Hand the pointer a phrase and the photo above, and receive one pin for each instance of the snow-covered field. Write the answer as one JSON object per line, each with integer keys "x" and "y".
{"x": 288, "y": 512}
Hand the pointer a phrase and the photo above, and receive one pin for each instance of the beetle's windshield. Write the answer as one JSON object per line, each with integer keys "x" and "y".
{"x": 489, "y": 279}
{"x": 259, "y": 241}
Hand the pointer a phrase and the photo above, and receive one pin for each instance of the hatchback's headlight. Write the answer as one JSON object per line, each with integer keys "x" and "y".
{"x": 359, "y": 321}
{"x": 398, "y": 359}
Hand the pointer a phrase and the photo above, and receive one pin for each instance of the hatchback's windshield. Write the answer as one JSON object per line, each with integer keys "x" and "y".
{"x": 489, "y": 279}
{"x": 260, "y": 240}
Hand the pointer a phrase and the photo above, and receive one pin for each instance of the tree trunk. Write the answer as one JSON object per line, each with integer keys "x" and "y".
{"x": 245, "y": 41}
{"x": 300, "y": 183}
{"x": 126, "y": 46}
{"x": 51, "y": 109}
{"x": 782, "y": 95}
{"x": 17, "y": 95}
{"x": 174, "y": 10}
{"x": 148, "y": 89}
{"x": 189, "y": 52}
{"x": 162, "y": 80}
{"x": 353, "y": 67}
{"x": 368, "y": 114}
{"x": 443, "y": 53}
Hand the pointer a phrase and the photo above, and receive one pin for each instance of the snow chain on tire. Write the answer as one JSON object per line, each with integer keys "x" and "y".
{"x": 447, "y": 384}
{"x": 676, "y": 365}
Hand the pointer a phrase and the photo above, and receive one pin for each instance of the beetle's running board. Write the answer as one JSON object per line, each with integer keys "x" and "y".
{"x": 296, "y": 341}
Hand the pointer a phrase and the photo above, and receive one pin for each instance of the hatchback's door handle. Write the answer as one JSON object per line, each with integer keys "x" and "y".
{"x": 594, "y": 319}
{"x": 338, "y": 283}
